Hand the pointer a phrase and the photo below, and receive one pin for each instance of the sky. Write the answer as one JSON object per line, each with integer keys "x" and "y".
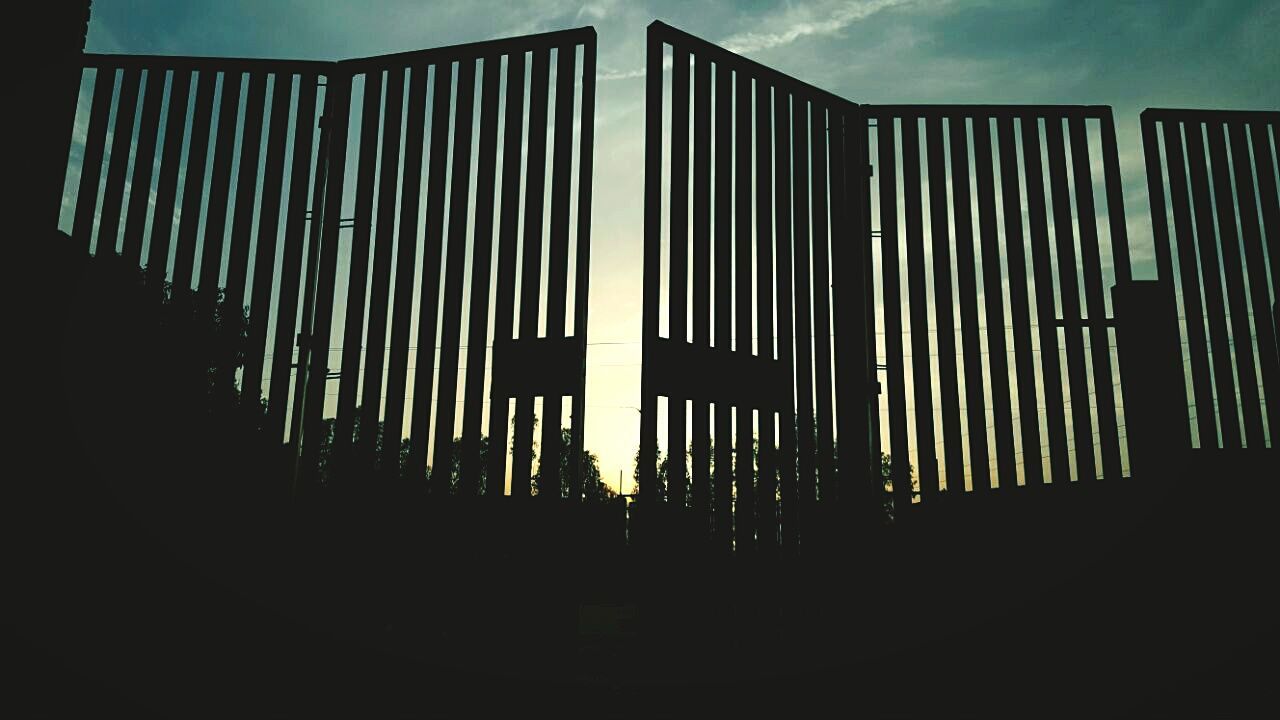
{"x": 1129, "y": 55}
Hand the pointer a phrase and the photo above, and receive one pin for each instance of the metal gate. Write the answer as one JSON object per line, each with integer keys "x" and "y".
{"x": 983, "y": 287}
{"x": 1023, "y": 381}
{"x": 430, "y": 125}
{"x": 1211, "y": 175}
{"x": 200, "y": 171}
{"x": 763, "y": 339}
{"x": 372, "y": 243}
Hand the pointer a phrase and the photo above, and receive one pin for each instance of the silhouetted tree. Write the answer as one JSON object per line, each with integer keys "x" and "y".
{"x": 660, "y": 477}
{"x": 886, "y": 473}
{"x": 593, "y": 485}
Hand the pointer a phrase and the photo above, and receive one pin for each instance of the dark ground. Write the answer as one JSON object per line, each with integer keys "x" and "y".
{"x": 152, "y": 574}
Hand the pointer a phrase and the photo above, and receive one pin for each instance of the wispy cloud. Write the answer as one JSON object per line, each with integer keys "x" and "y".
{"x": 803, "y": 21}
{"x": 623, "y": 74}
{"x": 597, "y": 10}
{"x": 782, "y": 28}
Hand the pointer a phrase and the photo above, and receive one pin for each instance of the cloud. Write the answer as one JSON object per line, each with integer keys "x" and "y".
{"x": 794, "y": 23}
{"x": 804, "y": 21}
{"x": 598, "y": 10}
{"x": 605, "y": 75}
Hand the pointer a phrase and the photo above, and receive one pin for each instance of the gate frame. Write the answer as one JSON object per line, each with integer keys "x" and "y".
{"x": 558, "y": 363}
{"x": 693, "y": 371}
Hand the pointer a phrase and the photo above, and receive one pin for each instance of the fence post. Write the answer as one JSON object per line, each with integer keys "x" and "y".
{"x": 1151, "y": 377}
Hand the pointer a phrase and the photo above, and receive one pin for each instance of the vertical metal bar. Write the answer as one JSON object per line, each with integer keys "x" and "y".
{"x": 135, "y": 220}
{"x": 1246, "y": 201}
{"x": 833, "y": 277}
{"x": 701, "y": 297}
{"x": 1019, "y": 307}
{"x": 193, "y": 184}
{"x": 291, "y": 265}
{"x": 722, "y": 489}
{"x": 314, "y": 241}
{"x": 895, "y": 372}
{"x": 264, "y": 271}
{"x": 944, "y": 313}
{"x": 318, "y": 327}
{"x": 1115, "y": 199}
{"x": 504, "y": 296}
{"x": 215, "y": 224}
{"x": 406, "y": 262}
{"x": 647, "y": 470}
{"x": 470, "y": 467}
{"x": 1189, "y": 275}
{"x": 1104, "y": 379}
{"x": 451, "y": 322}
{"x": 803, "y": 309}
{"x": 1264, "y": 163}
{"x": 993, "y": 295}
{"x": 118, "y": 164}
{"x": 429, "y": 300}
{"x": 95, "y": 142}
{"x": 860, "y": 488}
{"x": 823, "y": 122}
{"x": 922, "y": 386}
{"x": 246, "y": 191}
{"x": 1069, "y": 288}
{"x": 786, "y": 349}
{"x": 767, "y": 484}
{"x": 375, "y": 351}
{"x": 677, "y": 303}
{"x": 1208, "y": 246}
{"x": 63, "y": 77}
{"x": 744, "y": 472}
{"x": 358, "y": 278}
{"x": 558, "y": 260}
{"x": 1046, "y": 314}
{"x": 967, "y": 285}
{"x": 531, "y": 269}
{"x": 1155, "y": 194}
{"x": 582, "y": 265}
{"x": 167, "y": 183}
{"x": 863, "y": 355}
{"x": 1233, "y": 270}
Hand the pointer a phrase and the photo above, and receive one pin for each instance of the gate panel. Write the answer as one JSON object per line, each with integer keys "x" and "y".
{"x": 1215, "y": 216}
{"x": 193, "y": 189}
{"x": 1008, "y": 325}
{"x": 440, "y": 111}
{"x": 758, "y": 175}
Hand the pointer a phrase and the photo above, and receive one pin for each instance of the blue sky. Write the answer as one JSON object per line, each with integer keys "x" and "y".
{"x": 1130, "y": 55}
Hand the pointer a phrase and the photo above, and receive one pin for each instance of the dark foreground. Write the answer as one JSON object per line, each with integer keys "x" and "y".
{"x": 160, "y": 574}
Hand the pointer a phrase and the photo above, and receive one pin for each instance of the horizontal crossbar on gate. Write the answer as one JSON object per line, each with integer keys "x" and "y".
{"x": 220, "y": 64}
{"x": 504, "y": 46}
{"x": 1097, "y": 112}
{"x": 1158, "y": 114}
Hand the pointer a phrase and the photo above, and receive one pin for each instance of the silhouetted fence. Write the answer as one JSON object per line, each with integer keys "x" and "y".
{"x": 1001, "y": 231}
{"x": 778, "y": 228}
{"x": 1215, "y": 214}
{"x": 415, "y": 230}
{"x": 761, "y": 186}
{"x": 200, "y": 170}
{"x": 449, "y": 196}
{"x": 374, "y": 242}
